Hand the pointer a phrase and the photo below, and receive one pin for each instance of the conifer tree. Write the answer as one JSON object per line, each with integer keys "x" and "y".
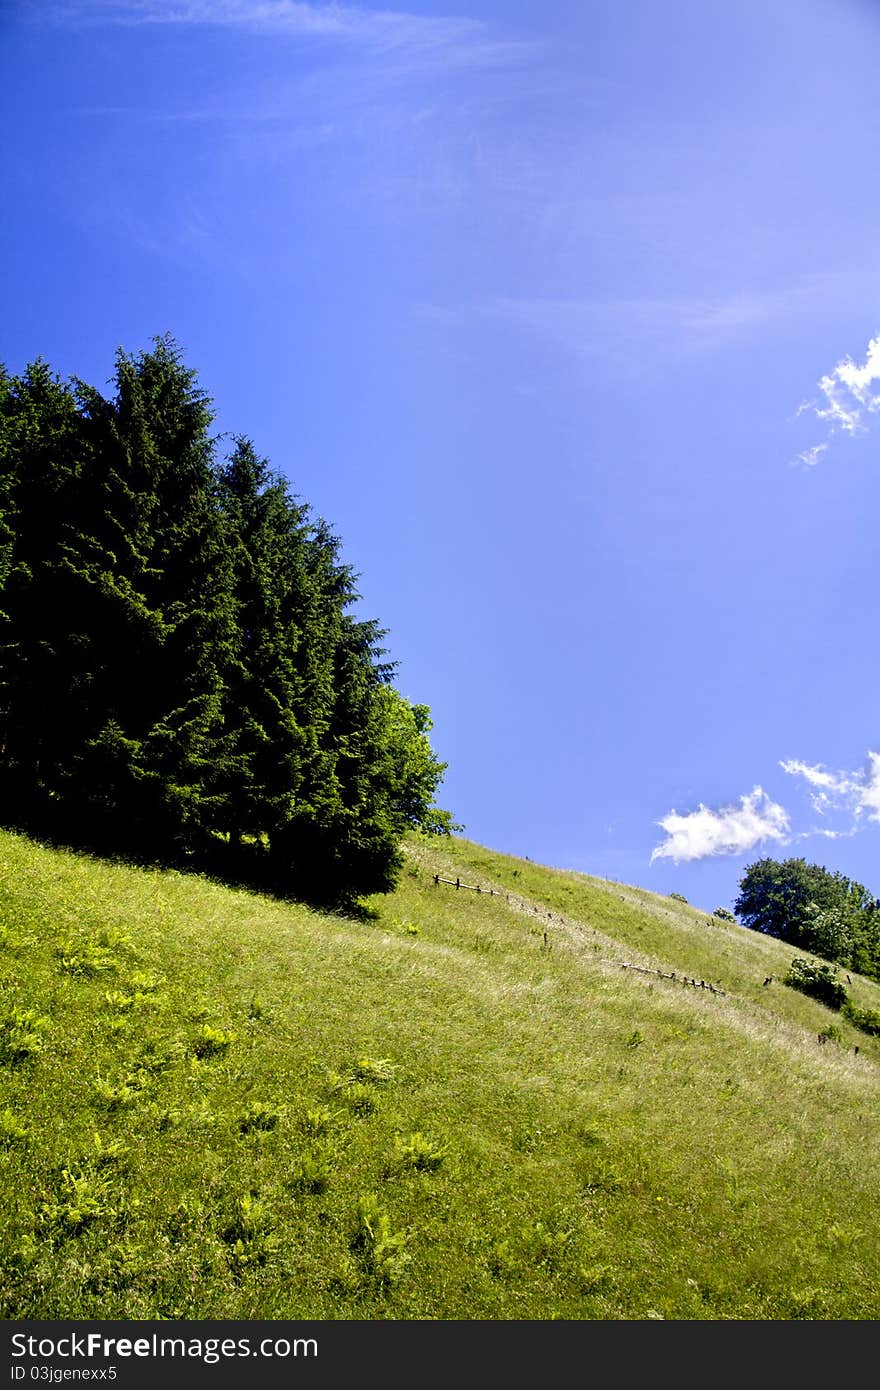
{"x": 42, "y": 635}
{"x": 181, "y": 671}
{"x": 162, "y": 620}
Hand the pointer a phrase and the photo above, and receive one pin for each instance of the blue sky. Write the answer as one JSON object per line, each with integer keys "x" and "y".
{"x": 567, "y": 318}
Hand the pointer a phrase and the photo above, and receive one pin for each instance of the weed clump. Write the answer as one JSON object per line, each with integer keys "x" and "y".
{"x": 86, "y": 961}
{"x": 258, "y": 1118}
{"x": 313, "y": 1171}
{"x": 21, "y": 1035}
{"x": 419, "y": 1151}
{"x": 12, "y": 1131}
{"x": 374, "y": 1070}
{"x": 318, "y": 1120}
{"x": 250, "y": 1235}
{"x": 211, "y": 1042}
{"x": 382, "y": 1250}
{"x": 84, "y": 1195}
{"x": 363, "y": 1100}
{"x": 359, "y": 1087}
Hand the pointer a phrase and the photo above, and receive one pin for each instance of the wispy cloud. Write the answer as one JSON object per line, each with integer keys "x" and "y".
{"x": 343, "y": 111}
{"x": 849, "y": 393}
{"x": 810, "y": 457}
{"x": 728, "y": 830}
{"x": 677, "y": 328}
{"x": 855, "y": 793}
{"x": 460, "y": 40}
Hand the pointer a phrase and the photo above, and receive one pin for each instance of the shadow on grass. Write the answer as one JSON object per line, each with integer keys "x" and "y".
{"x": 246, "y": 866}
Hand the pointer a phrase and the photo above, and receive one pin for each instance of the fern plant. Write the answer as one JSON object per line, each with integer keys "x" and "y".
{"x": 382, "y": 1250}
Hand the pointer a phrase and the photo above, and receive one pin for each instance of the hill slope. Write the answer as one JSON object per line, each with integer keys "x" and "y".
{"x": 462, "y": 1105}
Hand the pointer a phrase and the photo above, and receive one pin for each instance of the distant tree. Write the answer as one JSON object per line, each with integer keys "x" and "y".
{"x": 724, "y": 914}
{"x": 813, "y": 909}
{"x": 774, "y": 896}
{"x": 827, "y": 932}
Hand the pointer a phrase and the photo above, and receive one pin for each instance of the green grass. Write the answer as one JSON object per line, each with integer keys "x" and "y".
{"x": 216, "y": 1105}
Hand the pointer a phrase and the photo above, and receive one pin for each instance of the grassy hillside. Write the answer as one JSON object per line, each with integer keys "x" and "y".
{"x": 459, "y": 1106}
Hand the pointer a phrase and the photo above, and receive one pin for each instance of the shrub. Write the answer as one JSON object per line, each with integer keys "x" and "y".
{"x": 724, "y": 914}
{"x": 868, "y": 1020}
{"x": 831, "y": 1034}
{"x": 818, "y": 980}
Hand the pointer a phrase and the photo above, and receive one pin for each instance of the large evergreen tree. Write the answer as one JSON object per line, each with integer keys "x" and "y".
{"x": 156, "y": 569}
{"x": 182, "y": 672}
{"x": 43, "y": 639}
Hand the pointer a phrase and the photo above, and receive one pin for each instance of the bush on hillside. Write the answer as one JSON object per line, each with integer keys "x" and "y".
{"x": 868, "y": 1020}
{"x": 818, "y": 980}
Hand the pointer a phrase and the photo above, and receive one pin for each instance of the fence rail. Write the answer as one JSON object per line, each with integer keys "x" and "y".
{"x": 531, "y": 907}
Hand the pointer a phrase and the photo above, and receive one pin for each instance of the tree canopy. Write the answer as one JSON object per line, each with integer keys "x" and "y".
{"x": 814, "y": 909}
{"x": 182, "y": 673}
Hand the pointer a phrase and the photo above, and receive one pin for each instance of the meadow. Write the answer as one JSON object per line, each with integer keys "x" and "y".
{"x": 447, "y": 1105}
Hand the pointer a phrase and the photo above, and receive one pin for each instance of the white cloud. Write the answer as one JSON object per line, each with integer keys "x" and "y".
{"x": 857, "y": 793}
{"x": 810, "y": 457}
{"x": 729, "y": 830}
{"x": 870, "y": 798}
{"x": 816, "y": 775}
{"x": 738, "y": 828}
{"x": 849, "y": 393}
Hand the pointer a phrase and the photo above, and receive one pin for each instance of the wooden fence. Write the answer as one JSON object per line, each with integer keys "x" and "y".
{"x": 539, "y": 912}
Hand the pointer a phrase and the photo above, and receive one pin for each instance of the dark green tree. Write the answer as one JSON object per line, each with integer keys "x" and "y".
{"x": 42, "y": 634}
{"x": 814, "y": 909}
{"x": 182, "y": 670}
{"x": 264, "y": 743}
{"x": 118, "y": 612}
{"x": 162, "y": 620}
